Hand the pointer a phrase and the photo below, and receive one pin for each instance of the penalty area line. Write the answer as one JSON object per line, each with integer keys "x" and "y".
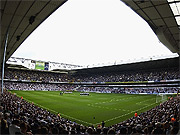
{"x": 144, "y": 101}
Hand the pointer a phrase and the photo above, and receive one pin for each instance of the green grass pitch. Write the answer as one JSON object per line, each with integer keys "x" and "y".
{"x": 93, "y": 109}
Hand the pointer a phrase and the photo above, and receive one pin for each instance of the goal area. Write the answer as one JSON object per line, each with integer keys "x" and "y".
{"x": 160, "y": 98}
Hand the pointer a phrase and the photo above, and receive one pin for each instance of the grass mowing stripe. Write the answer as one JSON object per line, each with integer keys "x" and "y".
{"x": 116, "y": 100}
{"x": 57, "y": 112}
{"x": 107, "y": 108}
{"x": 127, "y": 113}
{"x": 144, "y": 101}
{"x": 83, "y": 108}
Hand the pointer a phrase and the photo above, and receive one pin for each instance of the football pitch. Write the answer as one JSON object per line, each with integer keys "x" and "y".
{"x": 92, "y": 109}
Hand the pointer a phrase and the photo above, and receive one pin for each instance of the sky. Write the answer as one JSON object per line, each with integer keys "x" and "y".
{"x": 87, "y": 32}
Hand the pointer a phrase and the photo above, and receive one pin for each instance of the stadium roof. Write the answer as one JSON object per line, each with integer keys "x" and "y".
{"x": 20, "y": 18}
{"x": 131, "y": 67}
{"x": 163, "y": 16}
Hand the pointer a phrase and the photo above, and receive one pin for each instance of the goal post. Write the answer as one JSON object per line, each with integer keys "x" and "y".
{"x": 161, "y": 98}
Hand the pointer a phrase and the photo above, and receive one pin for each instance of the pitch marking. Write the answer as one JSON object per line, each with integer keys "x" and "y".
{"x": 126, "y": 114}
{"x": 61, "y": 113}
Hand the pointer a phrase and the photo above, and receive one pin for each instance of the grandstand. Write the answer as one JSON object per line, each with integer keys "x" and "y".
{"x": 31, "y": 103}
{"x": 143, "y": 80}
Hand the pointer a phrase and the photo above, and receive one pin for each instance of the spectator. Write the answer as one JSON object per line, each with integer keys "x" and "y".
{"x": 14, "y": 127}
{"x": 4, "y": 127}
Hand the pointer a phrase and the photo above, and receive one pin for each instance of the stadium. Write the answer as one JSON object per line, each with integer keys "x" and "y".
{"x": 130, "y": 97}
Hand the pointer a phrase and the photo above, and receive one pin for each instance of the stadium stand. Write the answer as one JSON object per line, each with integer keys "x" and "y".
{"x": 21, "y": 117}
{"x": 18, "y": 115}
{"x": 38, "y": 86}
{"x": 150, "y": 75}
{"x": 38, "y": 80}
{"x": 162, "y": 74}
{"x": 35, "y": 75}
{"x": 129, "y": 90}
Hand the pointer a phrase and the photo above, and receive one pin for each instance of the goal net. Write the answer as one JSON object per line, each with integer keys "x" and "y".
{"x": 161, "y": 98}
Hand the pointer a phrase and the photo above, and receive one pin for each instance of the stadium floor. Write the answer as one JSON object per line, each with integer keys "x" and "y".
{"x": 92, "y": 109}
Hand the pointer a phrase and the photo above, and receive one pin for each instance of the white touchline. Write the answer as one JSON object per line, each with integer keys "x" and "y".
{"x": 126, "y": 114}
{"x": 61, "y": 113}
{"x": 108, "y": 108}
{"x": 92, "y": 105}
{"x": 115, "y": 99}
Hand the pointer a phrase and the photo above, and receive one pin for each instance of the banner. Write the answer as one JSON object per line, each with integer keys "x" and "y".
{"x": 39, "y": 65}
{"x": 46, "y": 67}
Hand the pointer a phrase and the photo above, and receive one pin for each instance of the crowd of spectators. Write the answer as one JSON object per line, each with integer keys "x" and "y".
{"x": 64, "y": 87}
{"x": 22, "y": 117}
{"x": 33, "y": 75}
{"x": 95, "y": 89}
{"x": 152, "y": 90}
{"x": 104, "y": 89}
{"x": 155, "y": 90}
{"x": 163, "y": 119}
{"x": 38, "y": 86}
{"x": 151, "y": 75}
{"x": 18, "y": 116}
